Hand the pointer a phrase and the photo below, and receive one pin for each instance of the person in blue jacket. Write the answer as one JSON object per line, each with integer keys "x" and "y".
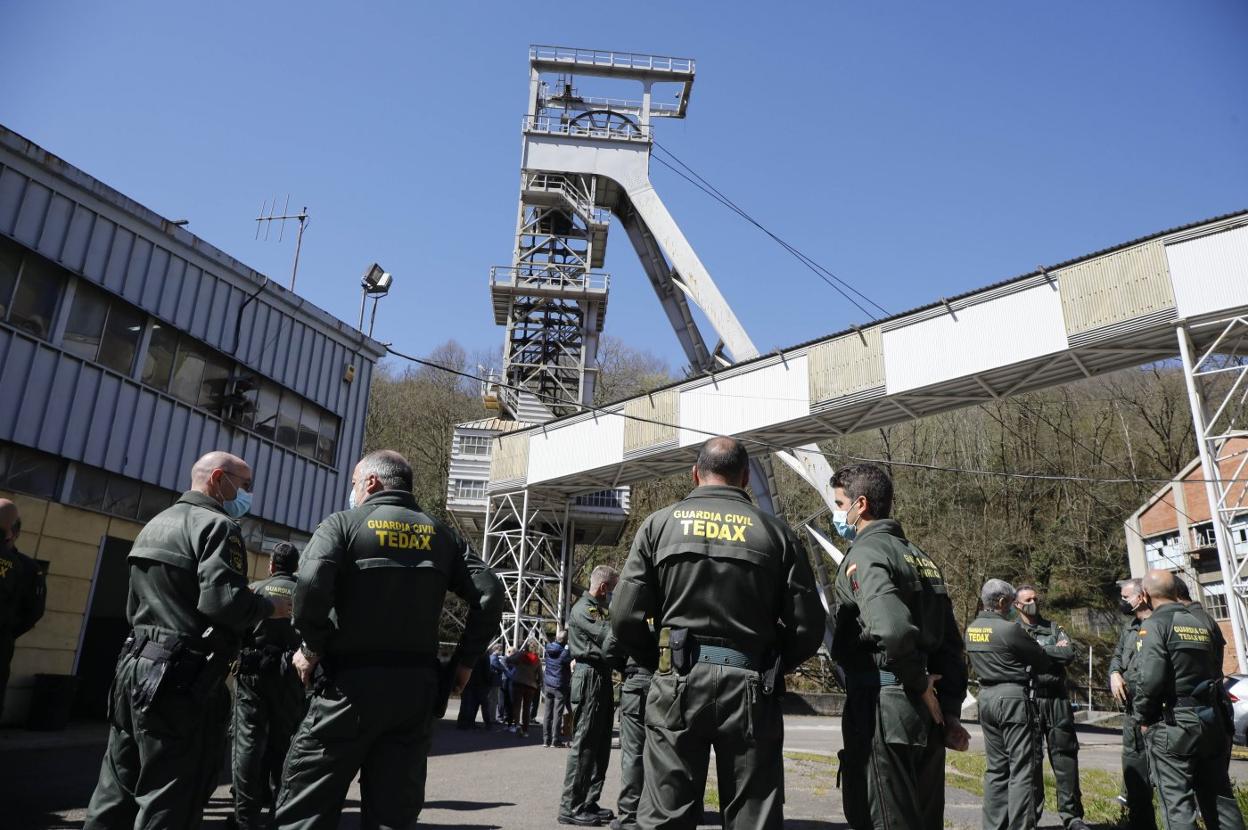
{"x": 557, "y": 682}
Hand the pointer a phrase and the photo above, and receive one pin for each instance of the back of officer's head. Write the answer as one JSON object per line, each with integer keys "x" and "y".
{"x": 996, "y": 594}
{"x": 722, "y": 460}
{"x": 389, "y": 468}
{"x": 285, "y": 559}
{"x": 603, "y": 575}
{"x": 1161, "y": 586}
{"x": 858, "y": 480}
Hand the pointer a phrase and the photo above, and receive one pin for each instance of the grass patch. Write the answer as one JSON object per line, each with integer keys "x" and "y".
{"x": 711, "y": 799}
{"x": 966, "y": 770}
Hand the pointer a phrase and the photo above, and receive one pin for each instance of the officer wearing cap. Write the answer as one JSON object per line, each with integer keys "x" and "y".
{"x": 1138, "y": 792}
{"x": 732, "y": 592}
{"x": 188, "y": 606}
{"x": 268, "y": 699}
{"x": 1006, "y": 661}
{"x": 368, "y": 601}
{"x": 1177, "y": 694}
{"x": 1055, "y": 717}
{"x": 593, "y": 709}
{"x": 896, "y": 640}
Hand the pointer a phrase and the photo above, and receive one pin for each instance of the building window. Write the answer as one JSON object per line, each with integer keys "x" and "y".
{"x": 1215, "y": 600}
{"x": 39, "y": 287}
{"x": 28, "y": 471}
{"x": 10, "y": 265}
{"x": 117, "y": 495}
{"x": 162, "y": 347}
{"x": 469, "y": 489}
{"x": 1164, "y": 551}
{"x": 103, "y": 329}
{"x": 604, "y": 498}
{"x": 478, "y": 445}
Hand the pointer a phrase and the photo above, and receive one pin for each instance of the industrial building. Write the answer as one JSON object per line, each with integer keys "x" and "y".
{"x": 1173, "y": 530}
{"x": 129, "y": 347}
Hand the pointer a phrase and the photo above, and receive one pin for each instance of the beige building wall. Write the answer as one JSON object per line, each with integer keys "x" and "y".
{"x": 69, "y": 540}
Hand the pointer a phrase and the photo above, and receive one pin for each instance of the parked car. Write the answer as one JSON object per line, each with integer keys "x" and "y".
{"x": 1237, "y": 689}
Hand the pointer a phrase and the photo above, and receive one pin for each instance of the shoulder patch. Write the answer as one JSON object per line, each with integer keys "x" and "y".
{"x": 236, "y": 554}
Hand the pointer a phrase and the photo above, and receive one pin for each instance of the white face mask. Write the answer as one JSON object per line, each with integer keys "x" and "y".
{"x": 351, "y": 505}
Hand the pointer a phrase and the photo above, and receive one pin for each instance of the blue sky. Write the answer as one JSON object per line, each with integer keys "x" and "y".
{"x": 916, "y": 149}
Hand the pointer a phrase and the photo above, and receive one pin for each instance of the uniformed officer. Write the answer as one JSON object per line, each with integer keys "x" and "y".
{"x": 593, "y": 709}
{"x": 368, "y": 600}
{"x": 1055, "y": 717}
{"x": 632, "y": 742}
{"x": 188, "y": 606}
{"x": 1138, "y": 792}
{"x": 22, "y": 590}
{"x": 897, "y": 642}
{"x": 732, "y": 592}
{"x": 1006, "y": 660}
{"x": 268, "y": 699}
{"x": 1176, "y": 688}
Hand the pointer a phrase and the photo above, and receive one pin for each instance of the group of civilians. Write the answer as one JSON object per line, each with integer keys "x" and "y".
{"x": 508, "y": 686}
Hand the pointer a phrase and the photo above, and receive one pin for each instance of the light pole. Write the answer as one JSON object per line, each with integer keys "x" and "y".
{"x": 375, "y": 283}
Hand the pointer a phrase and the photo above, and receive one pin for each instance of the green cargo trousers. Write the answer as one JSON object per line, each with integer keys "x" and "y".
{"x": 1188, "y": 760}
{"x": 632, "y": 746}
{"x": 1011, "y": 743}
{"x": 886, "y": 772}
{"x": 268, "y": 708}
{"x": 593, "y": 715}
{"x": 1138, "y": 790}
{"x": 162, "y": 762}
{"x": 375, "y": 721}
{"x": 1056, "y": 724}
{"x": 721, "y": 708}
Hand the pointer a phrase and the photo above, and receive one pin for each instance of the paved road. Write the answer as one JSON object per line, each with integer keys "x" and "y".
{"x": 477, "y": 780}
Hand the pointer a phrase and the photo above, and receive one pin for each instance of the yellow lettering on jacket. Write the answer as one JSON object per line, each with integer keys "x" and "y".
{"x": 979, "y": 634}
{"x": 1193, "y": 634}
{"x": 405, "y": 541}
{"x": 713, "y": 530}
{"x": 399, "y": 526}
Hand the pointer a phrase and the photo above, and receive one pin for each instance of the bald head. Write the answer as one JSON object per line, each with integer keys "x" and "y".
{"x": 722, "y": 460}
{"x": 10, "y": 523}
{"x": 220, "y": 475}
{"x": 1161, "y": 586}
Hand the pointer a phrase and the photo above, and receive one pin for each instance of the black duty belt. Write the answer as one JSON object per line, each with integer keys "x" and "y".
{"x": 1022, "y": 684}
{"x": 383, "y": 659}
{"x": 871, "y": 679}
{"x": 631, "y": 673}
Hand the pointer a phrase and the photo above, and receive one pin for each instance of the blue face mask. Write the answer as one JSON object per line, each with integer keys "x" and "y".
{"x": 237, "y": 507}
{"x": 840, "y": 520}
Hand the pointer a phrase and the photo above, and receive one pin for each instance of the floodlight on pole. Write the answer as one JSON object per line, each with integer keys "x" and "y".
{"x": 376, "y": 283}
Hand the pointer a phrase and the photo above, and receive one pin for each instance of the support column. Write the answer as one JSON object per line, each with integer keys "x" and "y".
{"x": 1227, "y": 559}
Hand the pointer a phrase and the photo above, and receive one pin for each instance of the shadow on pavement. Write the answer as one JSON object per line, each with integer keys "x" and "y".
{"x": 467, "y": 805}
{"x": 712, "y": 818}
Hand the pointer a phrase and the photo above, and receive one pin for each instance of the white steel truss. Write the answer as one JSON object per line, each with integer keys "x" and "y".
{"x": 1217, "y": 387}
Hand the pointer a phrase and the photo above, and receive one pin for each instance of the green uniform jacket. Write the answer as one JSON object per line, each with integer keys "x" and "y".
{"x": 589, "y": 633}
{"x": 1124, "y": 652}
{"x": 715, "y": 564}
{"x": 1052, "y": 681}
{"x": 893, "y": 614}
{"x": 1175, "y": 652}
{"x": 1002, "y": 652}
{"x": 279, "y": 634}
{"x": 188, "y": 572}
{"x": 373, "y": 579}
{"x": 23, "y": 593}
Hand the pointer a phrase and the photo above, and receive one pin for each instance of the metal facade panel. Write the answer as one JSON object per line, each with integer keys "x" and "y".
{"x": 1010, "y": 328}
{"x": 846, "y": 366}
{"x": 1210, "y": 273}
{"x": 30, "y": 215}
{"x": 509, "y": 459}
{"x": 770, "y": 394}
{"x": 582, "y": 445}
{"x": 77, "y": 237}
{"x": 12, "y": 183}
{"x": 663, "y": 407}
{"x": 1126, "y": 284}
{"x": 56, "y": 227}
{"x": 118, "y": 260}
{"x": 136, "y": 276}
{"x": 18, "y": 358}
{"x": 64, "y": 383}
{"x": 36, "y": 396}
{"x": 93, "y": 266}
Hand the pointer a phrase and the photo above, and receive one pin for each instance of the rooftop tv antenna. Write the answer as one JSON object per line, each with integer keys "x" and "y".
{"x": 268, "y": 215}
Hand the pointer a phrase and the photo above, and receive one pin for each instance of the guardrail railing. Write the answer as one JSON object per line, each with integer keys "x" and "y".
{"x": 601, "y": 58}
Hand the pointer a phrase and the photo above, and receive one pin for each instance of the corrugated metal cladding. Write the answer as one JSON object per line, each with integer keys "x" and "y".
{"x": 588, "y": 444}
{"x": 770, "y": 394}
{"x": 846, "y": 366}
{"x": 89, "y": 414}
{"x": 1209, "y": 272}
{"x": 509, "y": 460}
{"x": 1111, "y": 289}
{"x": 1012, "y": 328}
{"x": 661, "y": 406}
